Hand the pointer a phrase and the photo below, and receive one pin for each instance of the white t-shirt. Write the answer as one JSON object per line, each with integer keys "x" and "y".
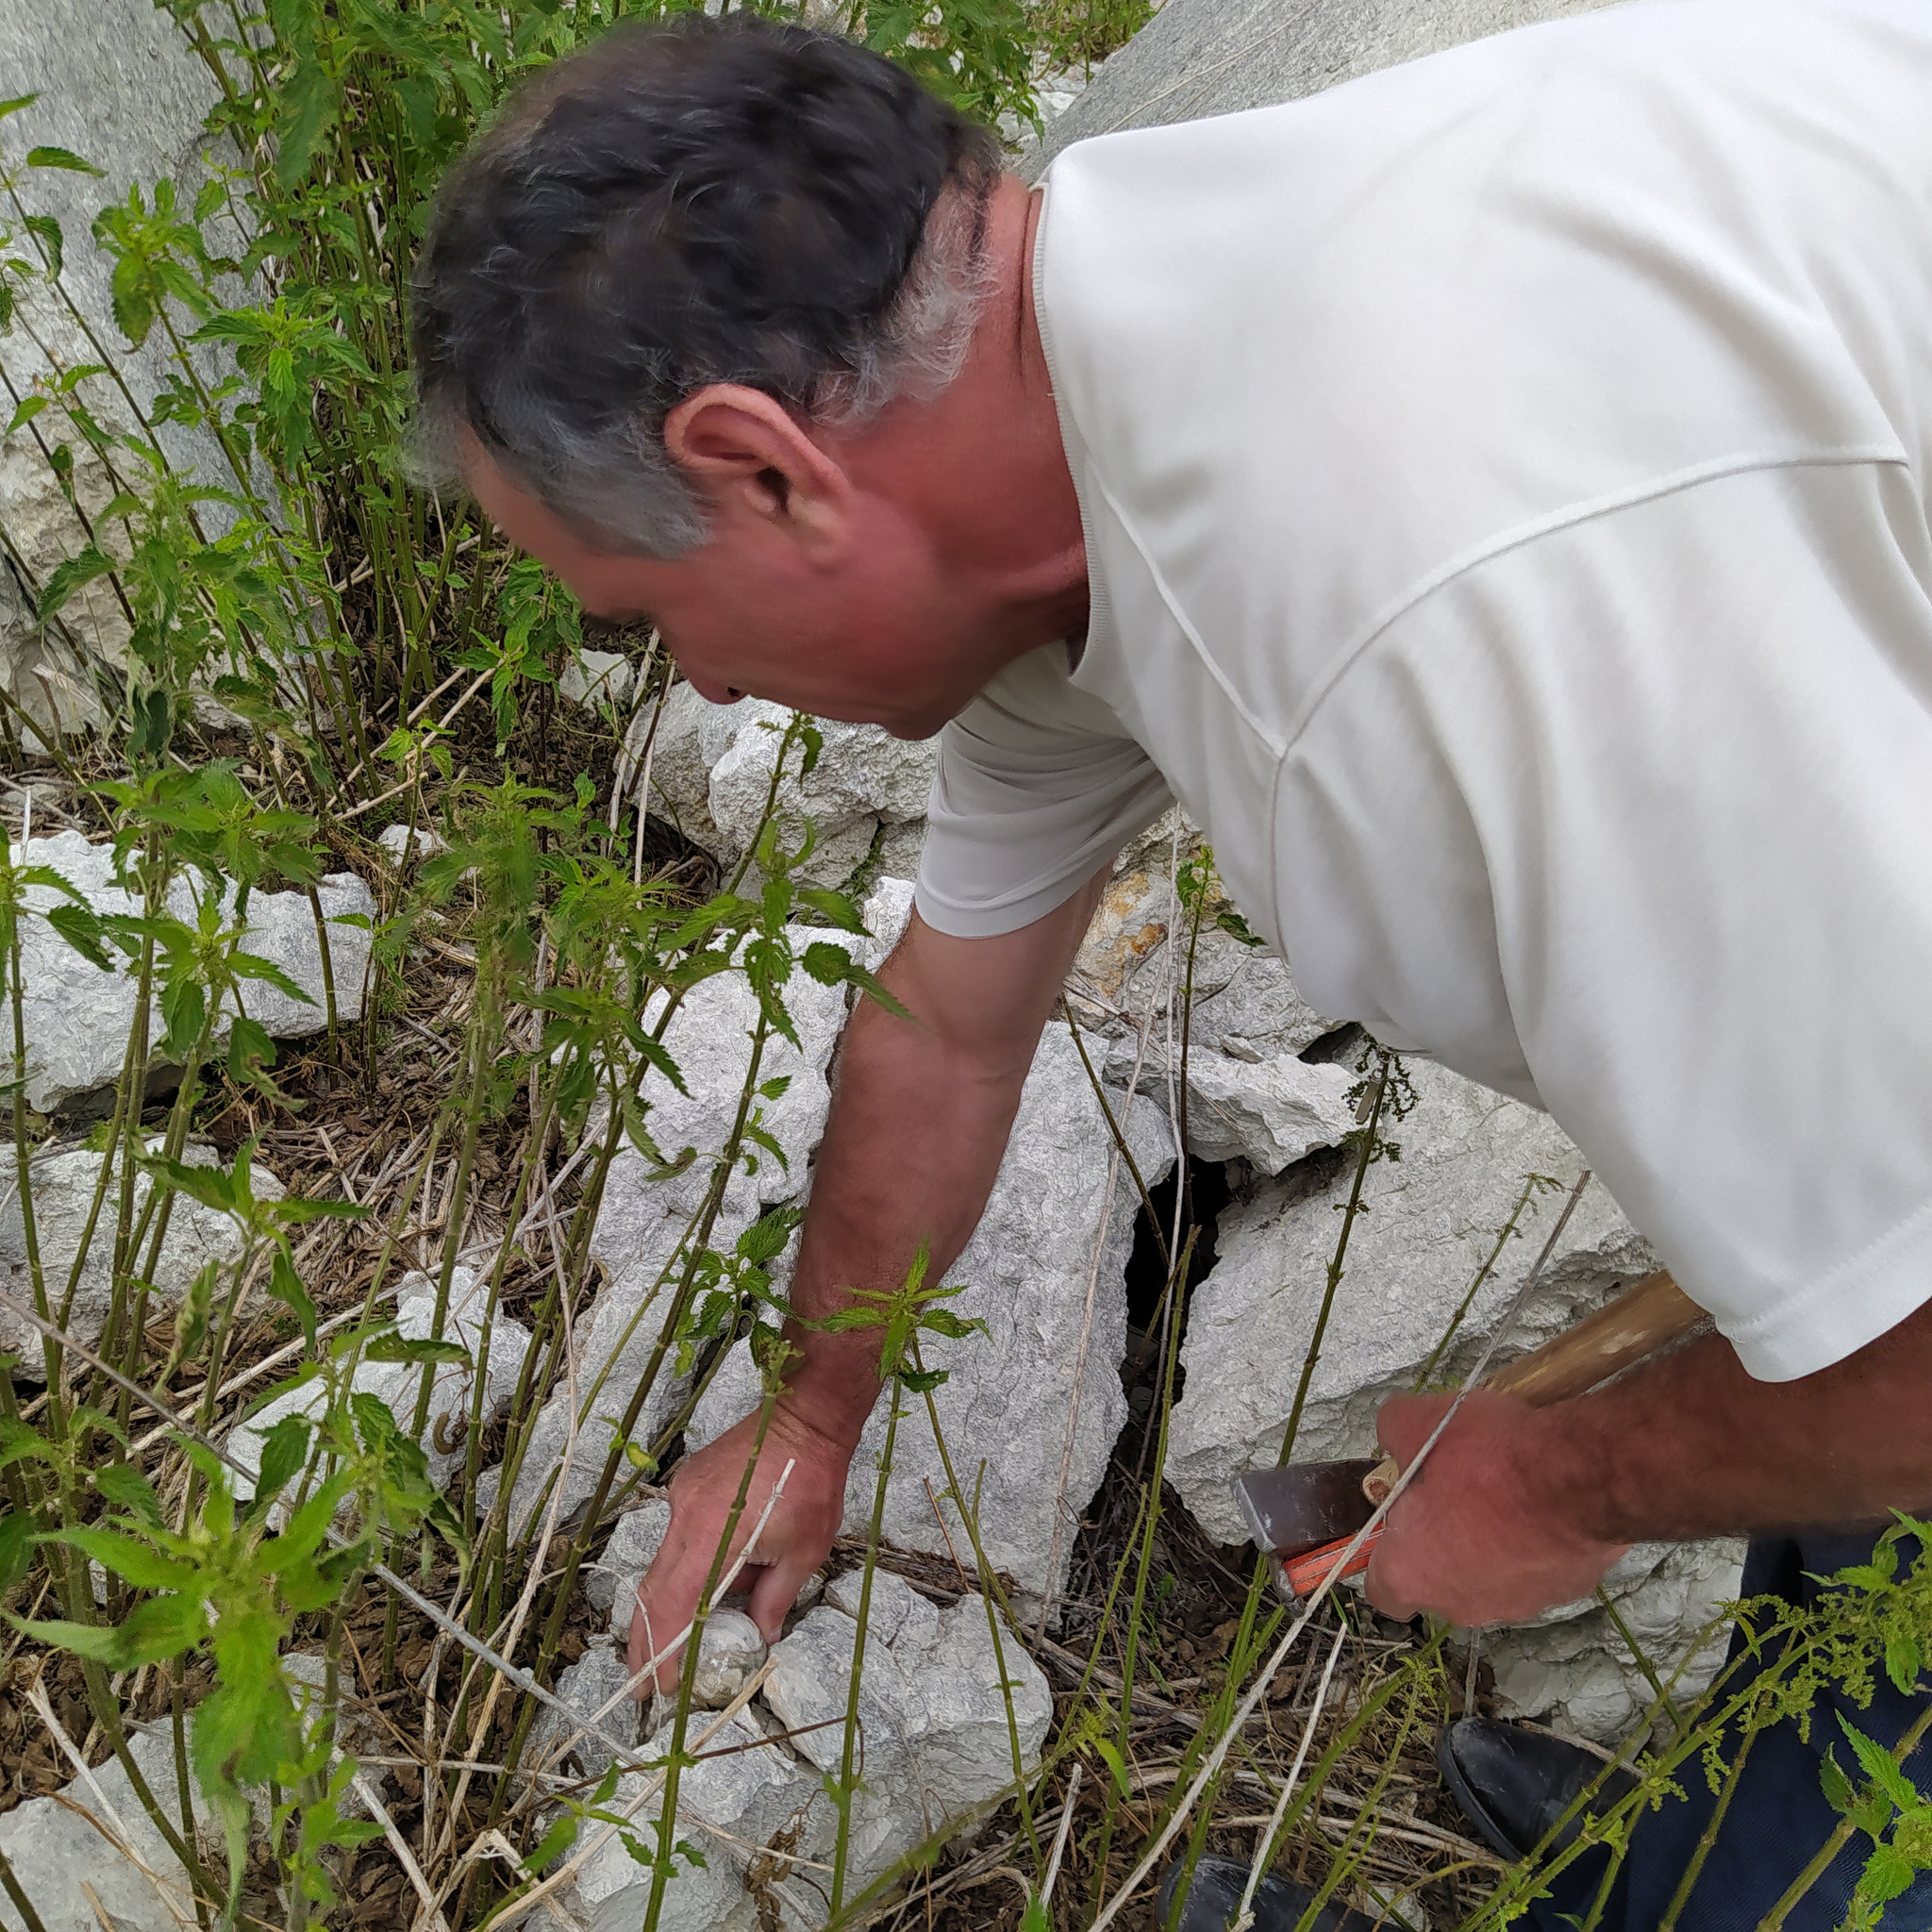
{"x": 1505, "y": 486}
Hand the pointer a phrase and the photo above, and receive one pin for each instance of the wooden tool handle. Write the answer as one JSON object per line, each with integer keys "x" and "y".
{"x": 1639, "y": 1321}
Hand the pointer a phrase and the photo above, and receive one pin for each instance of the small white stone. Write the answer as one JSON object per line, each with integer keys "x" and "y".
{"x": 728, "y": 1656}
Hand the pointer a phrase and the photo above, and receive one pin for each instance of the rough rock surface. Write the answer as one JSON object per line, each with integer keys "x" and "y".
{"x": 119, "y": 85}
{"x": 396, "y": 1384}
{"x": 632, "y": 1549}
{"x": 1571, "y": 1668}
{"x": 64, "y": 1187}
{"x": 643, "y": 1222}
{"x": 1011, "y": 1397}
{"x": 935, "y": 1749}
{"x": 933, "y": 1722}
{"x": 1434, "y": 1216}
{"x": 1267, "y": 1111}
{"x": 711, "y": 770}
{"x": 78, "y": 1017}
{"x": 589, "y": 1685}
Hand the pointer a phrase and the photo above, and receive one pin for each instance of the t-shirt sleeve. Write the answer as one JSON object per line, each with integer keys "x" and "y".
{"x": 1674, "y": 766}
{"x": 1038, "y": 787}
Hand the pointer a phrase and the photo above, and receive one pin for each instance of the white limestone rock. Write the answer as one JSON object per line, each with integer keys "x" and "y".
{"x": 1269, "y": 1112}
{"x": 751, "y": 1792}
{"x": 711, "y": 770}
{"x": 1434, "y": 1215}
{"x": 78, "y": 1017}
{"x": 63, "y": 1185}
{"x": 402, "y": 844}
{"x": 887, "y": 912}
{"x": 635, "y": 1540}
{"x": 396, "y": 1384}
{"x": 729, "y": 1653}
{"x": 586, "y": 1687}
{"x": 1014, "y": 1392}
{"x": 644, "y": 1222}
{"x": 934, "y": 1736}
{"x": 680, "y": 771}
{"x": 1571, "y": 1668}
{"x": 596, "y": 678}
{"x": 119, "y": 84}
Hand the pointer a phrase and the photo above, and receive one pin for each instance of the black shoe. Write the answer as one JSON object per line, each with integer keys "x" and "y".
{"x": 1215, "y": 1897}
{"x": 1513, "y": 1785}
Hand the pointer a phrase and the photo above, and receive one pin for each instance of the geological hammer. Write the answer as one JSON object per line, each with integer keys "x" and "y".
{"x": 1304, "y": 1514}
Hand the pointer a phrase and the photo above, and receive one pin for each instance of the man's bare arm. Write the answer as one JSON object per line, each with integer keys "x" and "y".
{"x": 1517, "y": 1508}
{"x": 919, "y": 1123}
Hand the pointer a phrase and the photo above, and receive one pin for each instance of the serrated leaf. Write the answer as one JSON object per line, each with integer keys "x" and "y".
{"x": 73, "y": 574}
{"x": 141, "y": 1563}
{"x": 24, "y": 411}
{"x": 1903, "y": 1663}
{"x": 1880, "y": 1766}
{"x": 284, "y": 1450}
{"x": 60, "y": 157}
{"x": 392, "y": 1347}
{"x": 286, "y": 1286}
{"x": 1887, "y": 1874}
{"x": 16, "y": 1547}
{"x": 834, "y": 906}
{"x": 126, "y": 1487}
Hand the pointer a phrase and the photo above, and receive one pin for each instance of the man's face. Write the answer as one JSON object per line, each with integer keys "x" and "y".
{"x": 874, "y": 636}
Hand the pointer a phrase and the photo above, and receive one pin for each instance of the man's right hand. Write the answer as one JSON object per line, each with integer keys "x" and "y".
{"x": 792, "y": 1545}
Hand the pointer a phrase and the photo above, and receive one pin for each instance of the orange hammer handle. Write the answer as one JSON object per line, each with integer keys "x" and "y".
{"x": 1306, "y": 1574}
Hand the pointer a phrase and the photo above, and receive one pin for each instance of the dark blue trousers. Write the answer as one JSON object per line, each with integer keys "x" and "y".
{"x": 1778, "y": 1818}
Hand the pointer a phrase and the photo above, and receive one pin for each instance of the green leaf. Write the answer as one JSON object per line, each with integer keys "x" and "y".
{"x": 1903, "y": 1662}
{"x": 72, "y": 574}
{"x": 141, "y": 1563}
{"x": 553, "y": 1844}
{"x": 46, "y": 231}
{"x": 392, "y": 1347}
{"x": 17, "y": 1441}
{"x": 24, "y": 412}
{"x": 924, "y": 1381}
{"x": 826, "y": 963}
{"x": 16, "y": 1547}
{"x": 60, "y": 157}
{"x": 284, "y": 1450}
{"x": 89, "y": 1641}
{"x": 128, "y": 1487}
{"x": 1115, "y": 1763}
{"x": 286, "y": 1286}
{"x": 1880, "y": 1766}
{"x": 163, "y": 1627}
{"x": 1034, "y": 1918}
{"x": 1888, "y": 1874}
{"x": 834, "y": 906}
{"x": 17, "y": 102}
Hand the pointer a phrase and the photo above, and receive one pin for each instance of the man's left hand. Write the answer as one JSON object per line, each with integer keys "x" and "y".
{"x": 1471, "y": 1538}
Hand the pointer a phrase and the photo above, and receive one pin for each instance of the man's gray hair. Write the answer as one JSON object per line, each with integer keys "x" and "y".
{"x": 713, "y": 201}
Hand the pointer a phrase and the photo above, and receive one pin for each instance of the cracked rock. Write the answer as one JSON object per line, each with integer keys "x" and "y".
{"x": 1269, "y": 1112}
{"x": 1434, "y": 1217}
{"x": 63, "y": 1186}
{"x": 1050, "y": 1239}
{"x": 78, "y": 1017}
{"x": 586, "y": 1687}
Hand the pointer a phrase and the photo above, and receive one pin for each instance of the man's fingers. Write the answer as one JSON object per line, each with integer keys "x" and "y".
{"x": 775, "y": 1590}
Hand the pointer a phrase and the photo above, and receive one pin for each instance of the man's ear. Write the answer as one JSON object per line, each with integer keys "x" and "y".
{"x": 749, "y": 458}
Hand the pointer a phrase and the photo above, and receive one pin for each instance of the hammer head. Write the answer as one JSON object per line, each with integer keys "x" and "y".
{"x": 1304, "y": 1505}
